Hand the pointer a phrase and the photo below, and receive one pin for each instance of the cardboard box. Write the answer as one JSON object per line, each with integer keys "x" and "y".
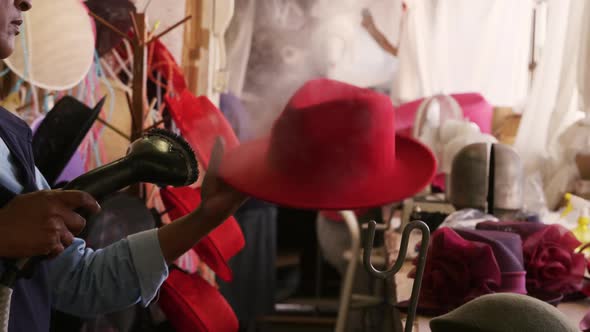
{"x": 583, "y": 163}
{"x": 505, "y": 124}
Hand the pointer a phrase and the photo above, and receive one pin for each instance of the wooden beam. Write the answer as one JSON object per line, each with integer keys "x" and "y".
{"x": 139, "y": 87}
{"x": 193, "y": 42}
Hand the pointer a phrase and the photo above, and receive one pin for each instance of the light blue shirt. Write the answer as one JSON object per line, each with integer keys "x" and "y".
{"x": 86, "y": 282}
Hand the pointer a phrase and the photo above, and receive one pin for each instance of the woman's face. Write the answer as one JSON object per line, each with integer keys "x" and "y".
{"x": 10, "y": 22}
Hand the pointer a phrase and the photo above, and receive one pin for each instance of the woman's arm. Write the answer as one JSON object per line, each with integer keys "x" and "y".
{"x": 86, "y": 282}
{"x": 219, "y": 202}
{"x": 371, "y": 28}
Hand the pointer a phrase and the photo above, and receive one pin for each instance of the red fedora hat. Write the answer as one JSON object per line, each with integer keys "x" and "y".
{"x": 200, "y": 123}
{"x": 218, "y": 246}
{"x": 333, "y": 147}
{"x": 191, "y": 304}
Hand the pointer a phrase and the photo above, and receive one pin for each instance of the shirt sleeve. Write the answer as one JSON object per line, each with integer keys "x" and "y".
{"x": 86, "y": 283}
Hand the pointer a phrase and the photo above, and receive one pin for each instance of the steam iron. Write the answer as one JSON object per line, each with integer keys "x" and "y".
{"x": 159, "y": 157}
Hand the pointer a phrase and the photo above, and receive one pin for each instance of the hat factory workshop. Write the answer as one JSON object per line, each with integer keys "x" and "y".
{"x": 294, "y": 165}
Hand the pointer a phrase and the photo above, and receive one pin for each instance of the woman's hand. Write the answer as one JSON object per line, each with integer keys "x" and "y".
{"x": 43, "y": 222}
{"x": 368, "y": 22}
{"x": 219, "y": 200}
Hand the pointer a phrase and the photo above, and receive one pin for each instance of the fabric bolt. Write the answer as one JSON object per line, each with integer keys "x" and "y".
{"x": 486, "y": 50}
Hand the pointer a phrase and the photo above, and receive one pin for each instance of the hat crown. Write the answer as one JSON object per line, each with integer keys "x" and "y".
{"x": 336, "y": 128}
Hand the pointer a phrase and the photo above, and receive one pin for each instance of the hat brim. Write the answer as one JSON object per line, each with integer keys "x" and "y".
{"x": 73, "y": 120}
{"x": 247, "y": 169}
{"x": 181, "y": 299}
{"x": 228, "y": 236}
{"x": 431, "y": 310}
{"x": 200, "y": 123}
{"x": 220, "y": 244}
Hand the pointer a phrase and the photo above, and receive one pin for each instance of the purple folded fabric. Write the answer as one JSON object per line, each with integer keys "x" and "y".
{"x": 550, "y": 257}
{"x": 522, "y": 228}
{"x": 507, "y": 248}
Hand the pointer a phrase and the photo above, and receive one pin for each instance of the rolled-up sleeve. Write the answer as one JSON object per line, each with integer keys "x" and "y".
{"x": 85, "y": 282}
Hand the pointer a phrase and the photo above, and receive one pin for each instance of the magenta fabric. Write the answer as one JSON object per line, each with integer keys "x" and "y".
{"x": 457, "y": 271}
{"x": 524, "y": 229}
{"x": 585, "y": 323}
{"x": 550, "y": 257}
{"x": 507, "y": 248}
{"x": 474, "y": 106}
{"x": 551, "y": 261}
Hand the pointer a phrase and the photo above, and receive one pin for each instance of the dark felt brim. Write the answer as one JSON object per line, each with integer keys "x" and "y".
{"x": 59, "y": 135}
{"x": 432, "y": 310}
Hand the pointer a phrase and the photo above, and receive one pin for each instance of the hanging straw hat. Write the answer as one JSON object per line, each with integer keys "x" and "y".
{"x": 116, "y": 113}
{"x": 55, "y": 49}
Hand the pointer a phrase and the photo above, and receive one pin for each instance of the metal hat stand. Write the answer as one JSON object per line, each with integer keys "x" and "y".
{"x": 368, "y": 249}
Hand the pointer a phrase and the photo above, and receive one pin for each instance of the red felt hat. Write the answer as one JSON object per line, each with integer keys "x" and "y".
{"x": 200, "y": 123}
{"x": 218, "y": 246}
{"x": 191, "y": 304}
{"x": 333, "y": 147}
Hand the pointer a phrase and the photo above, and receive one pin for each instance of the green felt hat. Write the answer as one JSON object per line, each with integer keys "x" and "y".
{"x": 503, "y": 312}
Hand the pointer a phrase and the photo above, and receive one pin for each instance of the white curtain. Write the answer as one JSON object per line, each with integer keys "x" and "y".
{"x": 238, "y": 39}
{"x": 560, "y": 88}
{"x": 166, "y": 13}
{"x": 464, "y": 45}
{"x": 533, "y": 133}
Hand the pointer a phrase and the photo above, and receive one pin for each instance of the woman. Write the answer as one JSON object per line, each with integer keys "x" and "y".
{"x": 35, "y": 221}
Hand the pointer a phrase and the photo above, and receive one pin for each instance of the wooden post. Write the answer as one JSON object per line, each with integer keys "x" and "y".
{"x": 138, "y": 100}
{"x": 195, "y": 37}
{"x": 139, "y": 86}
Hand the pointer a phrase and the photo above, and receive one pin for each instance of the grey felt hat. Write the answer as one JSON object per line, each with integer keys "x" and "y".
{"x": 503, "y": 312}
